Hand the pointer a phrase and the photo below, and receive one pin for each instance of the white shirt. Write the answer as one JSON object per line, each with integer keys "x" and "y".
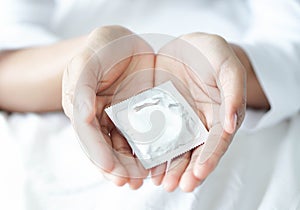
{"x": 267, "y": 30}
{"x": 263, "y": 177}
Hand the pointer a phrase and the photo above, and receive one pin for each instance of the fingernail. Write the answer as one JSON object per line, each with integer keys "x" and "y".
{"x": 234, "y": 121}
{"x": 230, "y": 123}
{"x": 203, "y": 158}
{"x": 168, "y": 186}
{"x": 198, "y": 171}
{"x": 185, "y": 186}
{"x": 85, "y": 112}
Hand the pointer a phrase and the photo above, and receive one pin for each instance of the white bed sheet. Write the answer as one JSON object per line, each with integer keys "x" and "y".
{"x": 44, "y": 168}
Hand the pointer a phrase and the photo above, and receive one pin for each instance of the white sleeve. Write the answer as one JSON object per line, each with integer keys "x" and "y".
{"x": 273, "y": 46}
{"x": 25, "y": 23}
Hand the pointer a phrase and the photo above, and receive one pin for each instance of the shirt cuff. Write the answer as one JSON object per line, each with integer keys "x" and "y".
{"x": 277, "y": 72}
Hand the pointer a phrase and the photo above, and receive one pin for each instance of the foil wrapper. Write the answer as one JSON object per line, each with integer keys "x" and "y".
{"x": 159, "y": 124}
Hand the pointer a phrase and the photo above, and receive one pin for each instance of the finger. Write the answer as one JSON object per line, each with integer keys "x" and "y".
{"x": 229, "y": 71}
{"x": 117, "y": 180}
{"x": 113, "y": 47}
{"x": 94, "y": 140}
{"x": 95, "y": 145}
{"x": 215, "y": 146}
{"x": 119, "y": 175}
{"x": 105, "y": 122}
{"x": 94, "y": 74}
{"x": 84, "y": 101}
{"x": 85, "y": 122}
{"x": 93, "y": 137}
{"x": 70, "y": 78}
{"x": 189, "y": 181}
{"x": 89, "y": 62}
{"x": 158, "y": 173}
{"x": 96, "y": 59}
{"x": 101, "y": 36}
{"x": 175, "y": 171}
{"x": 136, "y": 173}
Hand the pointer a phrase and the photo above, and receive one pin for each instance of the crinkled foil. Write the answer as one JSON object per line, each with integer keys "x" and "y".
{"x": 158, "y": 124}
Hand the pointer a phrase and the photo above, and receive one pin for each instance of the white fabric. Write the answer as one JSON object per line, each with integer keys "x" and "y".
{"x": 267, "y": 30}
{"x": 273, "y": 46}
{"x": 25, "y": 24}
{"x": 258, "y": 172}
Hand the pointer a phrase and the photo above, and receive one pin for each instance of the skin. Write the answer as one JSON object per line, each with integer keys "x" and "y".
{"x": 40, "y": 86}
{"x": 35, "y": 82}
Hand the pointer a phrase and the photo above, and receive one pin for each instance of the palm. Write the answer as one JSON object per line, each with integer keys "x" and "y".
{"x": 107, "y": 79}
{"x": 117, "y": 65}
{"x": 199, "y": 86}
{"x": 124, "y": 80}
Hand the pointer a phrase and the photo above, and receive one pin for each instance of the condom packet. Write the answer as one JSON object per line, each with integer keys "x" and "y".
{"x": 159, "y": 124}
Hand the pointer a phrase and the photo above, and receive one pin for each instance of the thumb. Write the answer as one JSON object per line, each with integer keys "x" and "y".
{"x": 70, "y": 79}
{"x": 231, "y": 82}
{"x": 84, "y": 104}
{"x": 84, "y": 108}
{"x": 229, "y": 74}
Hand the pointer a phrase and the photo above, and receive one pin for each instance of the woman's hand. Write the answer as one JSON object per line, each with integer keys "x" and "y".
{"x": 208, "y": 71}
{"x": 90, "y": 82}
{"x": 215, "y": 81}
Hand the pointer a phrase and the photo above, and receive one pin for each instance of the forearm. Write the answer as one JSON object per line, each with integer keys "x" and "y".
{"x": 30, "y": 79}
{"x": 256, "y": 97}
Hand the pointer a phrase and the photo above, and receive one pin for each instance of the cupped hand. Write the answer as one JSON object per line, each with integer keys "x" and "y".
{"x": 203, "y": 67}
{"x": 209, "y": 74}
{"x": 89, "y": 85}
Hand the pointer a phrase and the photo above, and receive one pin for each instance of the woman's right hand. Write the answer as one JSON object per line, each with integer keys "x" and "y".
{"x": 90, "y": 82}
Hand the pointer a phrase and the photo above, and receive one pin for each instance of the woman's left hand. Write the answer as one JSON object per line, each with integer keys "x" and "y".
{"x": 213, "y": 74}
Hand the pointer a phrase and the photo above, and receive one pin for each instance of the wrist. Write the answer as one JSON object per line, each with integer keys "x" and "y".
{"x": 256, "y": 97}
{"x": 30, "y": 79}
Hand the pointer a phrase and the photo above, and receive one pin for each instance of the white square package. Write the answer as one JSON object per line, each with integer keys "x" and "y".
{"x": 158, "y": 124}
